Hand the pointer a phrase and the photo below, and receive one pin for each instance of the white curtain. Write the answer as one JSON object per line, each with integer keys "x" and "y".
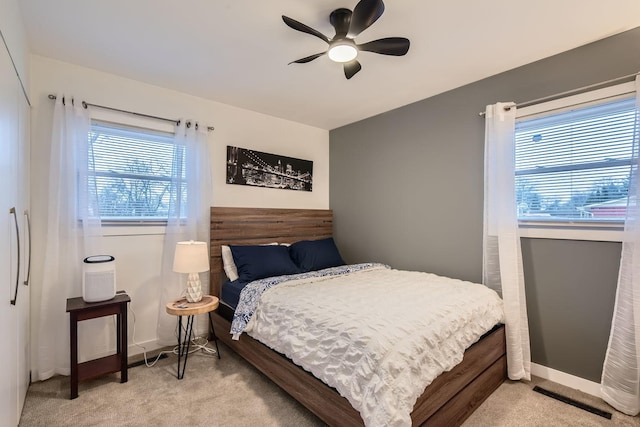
{"x": 620, "y": 384}
{"x": 188, "y": 221}
{"x": 73, "y": 233}
{"x": 502, "y": 256}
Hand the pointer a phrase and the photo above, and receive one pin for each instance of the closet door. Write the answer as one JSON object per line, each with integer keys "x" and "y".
{"x": 23, "y": 196}
{"x": 9, "y": 215}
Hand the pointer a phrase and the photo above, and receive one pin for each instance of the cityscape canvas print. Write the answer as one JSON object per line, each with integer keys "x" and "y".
{"x": 258, "y": 169}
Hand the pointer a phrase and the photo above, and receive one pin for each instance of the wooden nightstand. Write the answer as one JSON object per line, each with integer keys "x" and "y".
{"x": 182, "y": 308}
{"x": 80, "y": 310}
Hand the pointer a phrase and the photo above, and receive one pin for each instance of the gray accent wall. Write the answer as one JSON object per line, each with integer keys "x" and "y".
{"x": 406, "y": 188}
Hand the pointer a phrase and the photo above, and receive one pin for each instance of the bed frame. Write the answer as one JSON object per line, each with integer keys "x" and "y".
{"x": 447, "y": 401}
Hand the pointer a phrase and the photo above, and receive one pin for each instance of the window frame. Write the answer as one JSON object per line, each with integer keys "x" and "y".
{"x": 132, "y": 227}
{"x": 607, "y": 230}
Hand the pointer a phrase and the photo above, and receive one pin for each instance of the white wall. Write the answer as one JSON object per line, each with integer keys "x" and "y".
{"x": 138, "y": 251}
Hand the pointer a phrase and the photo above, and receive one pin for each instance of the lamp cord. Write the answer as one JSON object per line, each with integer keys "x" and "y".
{"x": 196, "y": 342}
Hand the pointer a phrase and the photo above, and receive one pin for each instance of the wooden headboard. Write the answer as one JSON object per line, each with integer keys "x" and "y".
{"x": 254, "y": 226}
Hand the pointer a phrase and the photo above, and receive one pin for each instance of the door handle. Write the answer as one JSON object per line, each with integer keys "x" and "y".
{"x": 15, "y": 219}
{"x": 26, "y": 281}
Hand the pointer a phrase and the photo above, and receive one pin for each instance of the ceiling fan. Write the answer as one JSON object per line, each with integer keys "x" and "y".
{"x": 348, "y": 24}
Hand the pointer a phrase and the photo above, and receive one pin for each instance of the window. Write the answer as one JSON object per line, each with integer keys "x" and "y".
{"x": 573, "y": 162}
{"x": 137, "y": 172}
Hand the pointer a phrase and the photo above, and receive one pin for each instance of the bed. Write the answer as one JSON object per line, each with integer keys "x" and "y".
{"x": 448, "y": 400}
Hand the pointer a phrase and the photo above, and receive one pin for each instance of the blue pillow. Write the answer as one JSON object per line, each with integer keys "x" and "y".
{"x": 258, "y": 262}
{"x": 311, "y": 255}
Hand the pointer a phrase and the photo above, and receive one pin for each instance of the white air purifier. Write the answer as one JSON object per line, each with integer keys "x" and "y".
{"x": 98, "y": 278}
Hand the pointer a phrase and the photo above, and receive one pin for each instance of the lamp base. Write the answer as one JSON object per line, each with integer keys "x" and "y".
{"x": 194, "y": 288}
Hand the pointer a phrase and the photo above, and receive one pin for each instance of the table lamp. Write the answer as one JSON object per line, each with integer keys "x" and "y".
{"x": 191, "y": 257}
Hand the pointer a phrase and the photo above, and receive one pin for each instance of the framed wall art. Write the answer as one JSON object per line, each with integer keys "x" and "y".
{"x": 258, "y": 169}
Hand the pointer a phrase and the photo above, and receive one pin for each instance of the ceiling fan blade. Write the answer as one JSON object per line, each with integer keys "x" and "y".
{"x": 351, "y": 68}
{"x": 396, "y": 46}
{"x": 364, "y": 14}
{"x": 307, "y": 58}
{"x": 299, "y": 26}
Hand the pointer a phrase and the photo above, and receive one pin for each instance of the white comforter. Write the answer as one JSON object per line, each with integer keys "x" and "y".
{"x": 378, "y": 336}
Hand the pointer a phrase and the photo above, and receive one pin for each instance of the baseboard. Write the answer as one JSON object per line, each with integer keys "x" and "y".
{"x": 566, "y": 380}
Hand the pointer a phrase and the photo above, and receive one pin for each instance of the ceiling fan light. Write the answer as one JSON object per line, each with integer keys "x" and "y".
{"x": 343, "y": 52}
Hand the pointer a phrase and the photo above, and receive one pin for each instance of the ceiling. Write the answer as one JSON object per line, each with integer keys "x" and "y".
{"x": 236, "y": 51}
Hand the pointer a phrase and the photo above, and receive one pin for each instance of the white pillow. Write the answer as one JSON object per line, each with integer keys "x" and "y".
{"x": 229, "y": 265}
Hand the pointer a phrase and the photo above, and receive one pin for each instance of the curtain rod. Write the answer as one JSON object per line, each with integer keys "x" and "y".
{"x": 576, "y": 91}
{"x": 85, "y": 104}
{"x": 15, "y": 68}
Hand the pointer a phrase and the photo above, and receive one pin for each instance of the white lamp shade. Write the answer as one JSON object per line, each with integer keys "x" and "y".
{"x": 191, "y": 257}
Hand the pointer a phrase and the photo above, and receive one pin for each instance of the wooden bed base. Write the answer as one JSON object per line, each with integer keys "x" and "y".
{"x": 447, "y": 401}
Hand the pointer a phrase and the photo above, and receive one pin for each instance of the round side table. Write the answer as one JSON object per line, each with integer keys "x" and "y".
{"x": 181, "y": 308}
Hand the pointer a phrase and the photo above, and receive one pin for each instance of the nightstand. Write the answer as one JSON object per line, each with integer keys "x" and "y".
{"x": 80, "y": 310}
{"x": 183, "y": 308}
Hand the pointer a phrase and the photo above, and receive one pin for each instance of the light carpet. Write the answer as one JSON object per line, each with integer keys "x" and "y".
{"x": 230, "y": 392}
